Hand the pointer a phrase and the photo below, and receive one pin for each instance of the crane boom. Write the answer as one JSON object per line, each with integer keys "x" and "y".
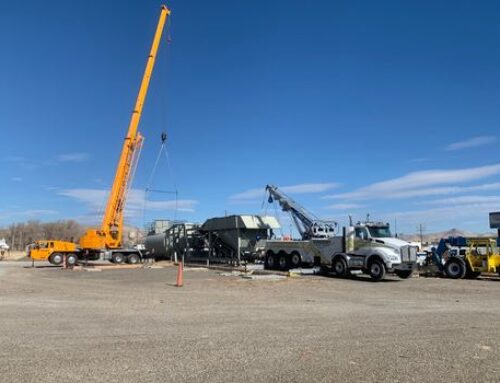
{"x": 110, "y": 234}
{"x": 307, "y": 224}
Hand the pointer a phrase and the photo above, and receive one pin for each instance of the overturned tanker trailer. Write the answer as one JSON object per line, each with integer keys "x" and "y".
{"x": 233, "y": 239}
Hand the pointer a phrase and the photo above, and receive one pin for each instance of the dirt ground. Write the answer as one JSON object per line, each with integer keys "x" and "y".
{"x": 134, "y": 325}
{"x": 12, "y": 255}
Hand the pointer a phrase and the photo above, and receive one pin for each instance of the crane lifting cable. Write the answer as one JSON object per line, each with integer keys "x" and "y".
{"x": 163, "y": 152}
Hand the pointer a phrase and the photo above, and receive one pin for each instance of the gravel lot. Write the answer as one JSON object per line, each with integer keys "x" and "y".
{"x": 133, "y": 325}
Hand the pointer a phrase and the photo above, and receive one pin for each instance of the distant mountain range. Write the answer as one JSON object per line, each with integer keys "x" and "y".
{"x": 435, "y": 237}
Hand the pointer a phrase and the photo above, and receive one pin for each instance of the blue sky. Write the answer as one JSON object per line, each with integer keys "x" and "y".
{"x": 384, "y": 107}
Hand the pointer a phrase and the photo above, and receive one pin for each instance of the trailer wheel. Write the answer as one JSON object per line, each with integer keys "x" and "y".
{"x": 56, "y": 259}
{"x": 403, "y": 274}
{"x": 283, "y": 260}
{"x": 295, "y": 260}
{"x": 133, "y": 259}
{"x": 71, "y": 259}
{"x": 455, "y": 268}
{"x": 270, "y": 261}
{"x": 340, "y": 267}
{"x": 118, "y": 258}
{"x": 377, "y": 269}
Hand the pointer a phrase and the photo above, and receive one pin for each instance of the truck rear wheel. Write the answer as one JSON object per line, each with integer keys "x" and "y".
{"x": 377, "y": 269}
{"x": 295, "y": 260}
{"x": 56, "y": 259}
{"x": 283, "y": 260}
{"x": 340, "y": 267}
{"x": 455, "y": 268}
{"x": 118, "y": 258}
{"x": 133, "y": 259}
{"x": 270, "y": 261}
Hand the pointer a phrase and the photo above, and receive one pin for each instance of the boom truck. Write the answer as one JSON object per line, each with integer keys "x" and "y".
{"x": 366, "y": 246}
{"x": 105, "y": 243}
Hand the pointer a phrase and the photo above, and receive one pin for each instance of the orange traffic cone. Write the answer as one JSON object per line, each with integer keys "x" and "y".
{"x": 180, "y": 275}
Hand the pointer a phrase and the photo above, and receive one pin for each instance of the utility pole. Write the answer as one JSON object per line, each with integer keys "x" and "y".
{"x": 421, "y": 229}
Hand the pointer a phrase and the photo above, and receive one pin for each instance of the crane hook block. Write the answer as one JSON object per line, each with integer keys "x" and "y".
{"x": 163, "y": 137}
{"x": 270, "y": 199}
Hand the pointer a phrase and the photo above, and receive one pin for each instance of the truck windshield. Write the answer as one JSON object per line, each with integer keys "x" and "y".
{"x": 380, "y": 232}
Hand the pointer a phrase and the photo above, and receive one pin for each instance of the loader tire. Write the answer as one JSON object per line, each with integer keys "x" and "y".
{"x": 469, "y": 273}
{"x": 455, "y": 268}
{"x": 403, "y": 274}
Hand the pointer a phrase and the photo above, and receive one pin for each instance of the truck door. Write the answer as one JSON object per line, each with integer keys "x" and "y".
{"x": 361, "y": 239}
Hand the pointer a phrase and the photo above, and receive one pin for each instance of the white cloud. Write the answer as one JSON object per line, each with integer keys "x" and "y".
{"x": 17, "y": 179}
{"x": 445, "y": 214}
{"x": 465, "y": 200}
{"x": 95, "y": 199}
{"x": 344, "y": 206}
{"x": 471, "y": 143}
{"x": 27, "y": 214}
{"x": 258, "y": 193}
{"x": 248, "y": 195}
{"x": 72, "y": 157}
{"x": 414, "y": 184}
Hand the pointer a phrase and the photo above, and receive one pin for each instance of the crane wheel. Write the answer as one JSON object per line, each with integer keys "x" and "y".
{"x": 71, "y": 259}
{"x": 133, "y": 259}
{"x": 455, "y": 268}
{"x": 377, "y": 269}
{"x": 56, "y": 259}
{"x": 118, "y": 258}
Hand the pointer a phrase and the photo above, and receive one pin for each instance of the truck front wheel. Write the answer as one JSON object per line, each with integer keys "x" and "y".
{"x": 403, "y": 274}
{"x": 377, "y": 269}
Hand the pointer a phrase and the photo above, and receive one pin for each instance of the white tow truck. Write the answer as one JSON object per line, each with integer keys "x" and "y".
{"x": 366, "y": 246}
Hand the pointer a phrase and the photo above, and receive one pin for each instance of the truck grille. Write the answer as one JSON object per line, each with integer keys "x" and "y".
{"x": 408, "y": 254}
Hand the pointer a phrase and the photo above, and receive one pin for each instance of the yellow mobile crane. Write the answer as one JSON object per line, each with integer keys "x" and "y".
{"x": 106, "y": 242}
